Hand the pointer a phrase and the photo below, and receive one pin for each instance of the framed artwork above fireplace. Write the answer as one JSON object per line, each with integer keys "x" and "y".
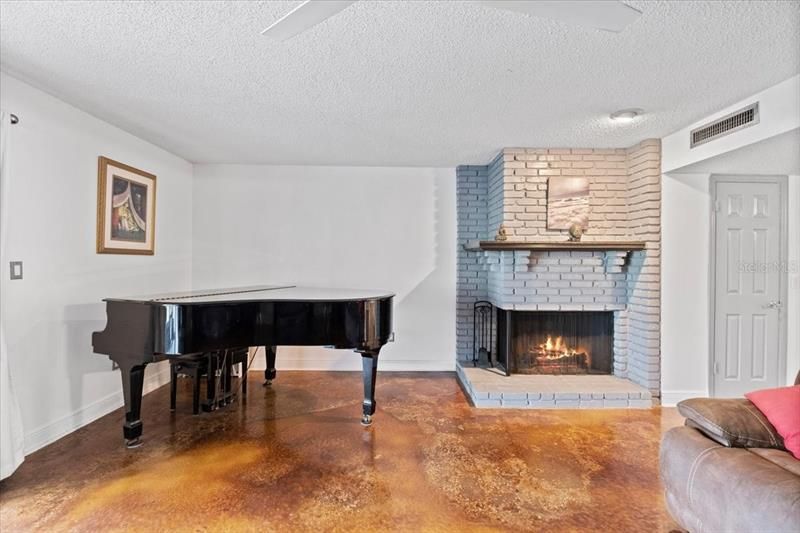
{"x": 567, "y": 202}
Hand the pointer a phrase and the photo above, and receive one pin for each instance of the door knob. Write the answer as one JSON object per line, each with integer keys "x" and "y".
{"x": 774, "y": 304}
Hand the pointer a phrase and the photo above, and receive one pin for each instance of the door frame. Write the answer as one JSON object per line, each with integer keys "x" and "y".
{"x": 783, "y": 240}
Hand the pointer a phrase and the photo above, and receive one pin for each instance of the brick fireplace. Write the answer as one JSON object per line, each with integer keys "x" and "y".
{"x": 622, "y": 283}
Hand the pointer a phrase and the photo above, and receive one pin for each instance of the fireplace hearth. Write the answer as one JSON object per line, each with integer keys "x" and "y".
{"x": 555, "y": 342}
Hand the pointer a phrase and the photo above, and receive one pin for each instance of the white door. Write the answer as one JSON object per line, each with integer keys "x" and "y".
{"x": 749, "y": 279}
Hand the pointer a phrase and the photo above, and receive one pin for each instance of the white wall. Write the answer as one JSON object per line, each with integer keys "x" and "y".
{"x": 53, "y": 311}
{"x": 685, "y": 304}
{"x": 766, "y": 148}
{"x": 386, "y": 228}
{"x": 685, "y": 236}
{"x": 793, "y": 307}
{"x": 779, "y": 108}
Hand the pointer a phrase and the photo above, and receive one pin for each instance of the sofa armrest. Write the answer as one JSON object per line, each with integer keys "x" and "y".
{"x": 735, "y": 423}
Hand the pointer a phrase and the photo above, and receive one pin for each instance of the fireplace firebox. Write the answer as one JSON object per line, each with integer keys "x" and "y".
{"x": 555, "y": 342}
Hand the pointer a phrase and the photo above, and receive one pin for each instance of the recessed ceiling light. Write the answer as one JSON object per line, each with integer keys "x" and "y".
{"x": 626, "y": 115}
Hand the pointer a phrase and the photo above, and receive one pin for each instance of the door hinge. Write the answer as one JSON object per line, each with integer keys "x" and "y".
{"x": 717, "y": 206}
{"x": 716, "y": 367}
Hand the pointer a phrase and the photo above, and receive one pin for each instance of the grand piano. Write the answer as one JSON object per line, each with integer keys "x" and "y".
{"x": 144, "y": 330}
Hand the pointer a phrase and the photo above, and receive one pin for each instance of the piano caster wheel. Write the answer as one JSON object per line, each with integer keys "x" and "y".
{"x": 366, "y": 420}
{"x": 268, "y": 383}
{"x": 133, "y": 443}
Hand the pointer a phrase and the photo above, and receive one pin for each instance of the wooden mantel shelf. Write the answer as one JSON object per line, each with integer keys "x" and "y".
{"x": 589, "y": 246}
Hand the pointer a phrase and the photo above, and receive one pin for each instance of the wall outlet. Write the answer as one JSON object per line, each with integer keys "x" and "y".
{"x": 16, "y": 269}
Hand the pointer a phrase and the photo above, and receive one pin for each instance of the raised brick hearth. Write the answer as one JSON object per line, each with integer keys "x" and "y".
{"x": 625, "y": 200}
{"x": 491, "y": 388}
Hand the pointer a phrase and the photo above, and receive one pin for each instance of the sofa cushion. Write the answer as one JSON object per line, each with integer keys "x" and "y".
{"x": 781, "y": 406}
{"x": 779, "y": 457}
{"x": 711, "y": 488}
{"x": 731, "y": 422}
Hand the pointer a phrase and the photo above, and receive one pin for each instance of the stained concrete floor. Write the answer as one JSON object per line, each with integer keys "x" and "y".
{"x": 295, "y": 458}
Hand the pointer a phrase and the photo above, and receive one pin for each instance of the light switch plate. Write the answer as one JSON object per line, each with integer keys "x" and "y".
{"x": 16, "y": 269}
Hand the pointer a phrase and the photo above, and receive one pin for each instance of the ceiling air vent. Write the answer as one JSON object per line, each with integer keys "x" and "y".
{"x": 736, "y": 121}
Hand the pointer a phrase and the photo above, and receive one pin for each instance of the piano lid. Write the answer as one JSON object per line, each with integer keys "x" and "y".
{"x": 258, "y": 293}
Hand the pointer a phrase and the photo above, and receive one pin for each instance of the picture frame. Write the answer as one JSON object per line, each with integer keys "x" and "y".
{"x": 126, "y": 209}
{"x": 567, "y": 202}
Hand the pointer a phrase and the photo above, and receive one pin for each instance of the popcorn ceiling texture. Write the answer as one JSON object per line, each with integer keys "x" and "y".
{"x": 393, "y": 83}
{"x": 625, "y": 189}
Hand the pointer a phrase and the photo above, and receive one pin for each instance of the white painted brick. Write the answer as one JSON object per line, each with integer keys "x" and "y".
{"x": 487, "y": 403}
{"x": 542, "y": 404}
{"x": 566, "y": 396}
{"x": 518, "y": 404}
{"x": 625, "y": 203}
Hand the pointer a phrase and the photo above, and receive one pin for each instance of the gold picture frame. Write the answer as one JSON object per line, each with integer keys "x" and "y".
{"x": 126, "y": 209}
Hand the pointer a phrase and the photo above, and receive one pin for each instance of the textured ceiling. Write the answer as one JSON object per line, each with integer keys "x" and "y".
{"x": 392, "y": 83}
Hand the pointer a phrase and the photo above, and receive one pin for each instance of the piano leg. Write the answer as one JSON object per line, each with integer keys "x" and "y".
{"x": 269, "y": 373}
{"x": 132, "y": 385}
{"x": 211, "y": 383}
{"x": 369, "y": 365}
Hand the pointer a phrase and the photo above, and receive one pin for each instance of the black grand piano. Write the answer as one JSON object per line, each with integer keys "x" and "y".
{"x": 144, "y": 330}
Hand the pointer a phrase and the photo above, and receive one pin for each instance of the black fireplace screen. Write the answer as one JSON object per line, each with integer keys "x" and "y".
{"x": 555, "y": 342}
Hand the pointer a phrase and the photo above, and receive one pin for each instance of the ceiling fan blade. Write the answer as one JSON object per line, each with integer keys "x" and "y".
{"x": 305, "y": 16}
{"x": 605, "y": 15}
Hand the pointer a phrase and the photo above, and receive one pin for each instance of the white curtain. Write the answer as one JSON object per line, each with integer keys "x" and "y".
{"x": 12, "y": 440}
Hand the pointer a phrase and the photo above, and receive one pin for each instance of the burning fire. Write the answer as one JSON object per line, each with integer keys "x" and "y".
{"x": 557, "y": 349}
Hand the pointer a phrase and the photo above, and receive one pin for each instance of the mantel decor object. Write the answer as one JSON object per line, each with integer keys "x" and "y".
{"x": 501, "y": 234}
{"x": 126, "y": 209}
{"x": 575, "y": 233}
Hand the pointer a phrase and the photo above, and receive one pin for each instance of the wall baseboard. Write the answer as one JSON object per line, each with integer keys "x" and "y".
{"x": 671, "y": 398}
{"x": 49, "y": 433}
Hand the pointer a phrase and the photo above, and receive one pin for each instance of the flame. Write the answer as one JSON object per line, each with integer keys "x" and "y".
{"x": 554, "y": 350}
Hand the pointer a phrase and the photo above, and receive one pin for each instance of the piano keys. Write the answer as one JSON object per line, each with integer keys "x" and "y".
{"x": 143, "y": 330}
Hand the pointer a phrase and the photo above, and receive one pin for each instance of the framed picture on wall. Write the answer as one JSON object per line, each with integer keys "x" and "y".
{"x": 567, "y": 202}
{"x": 126, "y": 209}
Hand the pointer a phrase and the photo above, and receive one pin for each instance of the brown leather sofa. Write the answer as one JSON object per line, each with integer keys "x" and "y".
{"x": 727, "y": 470}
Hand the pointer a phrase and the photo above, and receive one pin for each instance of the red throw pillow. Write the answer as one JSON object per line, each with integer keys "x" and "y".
{"x": 781, "y": 406}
